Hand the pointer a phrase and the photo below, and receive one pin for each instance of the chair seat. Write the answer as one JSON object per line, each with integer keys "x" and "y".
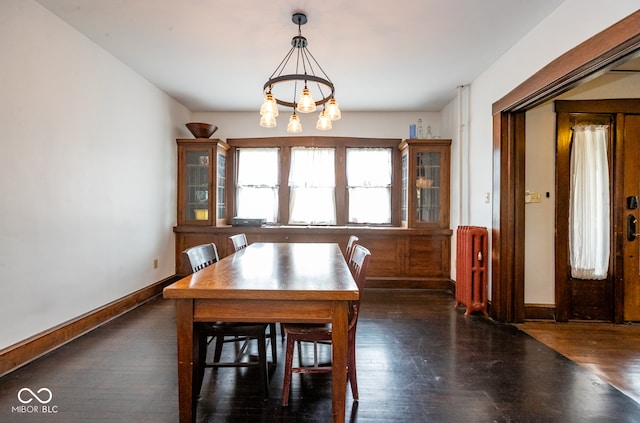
{"x": 294, "y": 329}
{"x": 231, "y": 327}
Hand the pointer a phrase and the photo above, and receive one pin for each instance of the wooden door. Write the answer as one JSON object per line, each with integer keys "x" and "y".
{"x": 579, "y": 299}
{"x": 631, "y": 214}
{"x": 617, "y": 299}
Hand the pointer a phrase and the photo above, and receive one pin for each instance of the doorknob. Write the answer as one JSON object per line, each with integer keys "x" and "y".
{"x": 631, "y": 228}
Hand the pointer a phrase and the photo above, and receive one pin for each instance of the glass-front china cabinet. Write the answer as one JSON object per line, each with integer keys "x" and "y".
{"x": 425, "y": 183}
{"x": 201, "y": 181}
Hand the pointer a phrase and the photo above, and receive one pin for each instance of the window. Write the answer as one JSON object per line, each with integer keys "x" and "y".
{"x": 369, "y": 185}
{"x": 316, "y": 180}
{"x": 257, "y": 183}
{"x": 589, "y": 203}
{"x": 312, "y": 182}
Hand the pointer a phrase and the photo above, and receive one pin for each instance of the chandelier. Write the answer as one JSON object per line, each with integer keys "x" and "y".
{"x": 310, "y": 85}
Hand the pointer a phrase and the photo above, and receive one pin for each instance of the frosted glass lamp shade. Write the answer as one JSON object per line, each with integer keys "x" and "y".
{"x": 333, "y": 111}
{"x": 269, "y": 106}
{"x": 267, "y": 120}
{"x": 324, "y": 123}
{"x": 306, "y": 103}
{"x": 294, "y": 125}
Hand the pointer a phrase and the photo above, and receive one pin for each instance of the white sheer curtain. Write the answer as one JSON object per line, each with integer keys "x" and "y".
{"x": 589, "y": 203}
{"x": 257, "y": 183}
{"x": 312, "y": 181}
{"x": 369, "y": 185}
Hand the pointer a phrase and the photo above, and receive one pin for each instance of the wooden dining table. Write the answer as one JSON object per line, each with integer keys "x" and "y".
{"x": 265, "y": 282}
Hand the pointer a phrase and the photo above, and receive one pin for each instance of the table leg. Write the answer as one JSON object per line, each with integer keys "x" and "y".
{"x": 339, "y": 341}
{"x": 189, "y": 369}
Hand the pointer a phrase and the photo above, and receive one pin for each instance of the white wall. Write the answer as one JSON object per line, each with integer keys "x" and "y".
{"x": 569, "y": 25}
{"x": 540, "y": 176}
{"x": 87, "y": 174}
{"x": 539, "y": 267}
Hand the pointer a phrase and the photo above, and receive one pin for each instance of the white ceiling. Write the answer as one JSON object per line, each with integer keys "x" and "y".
{"x": 215, "y": 55}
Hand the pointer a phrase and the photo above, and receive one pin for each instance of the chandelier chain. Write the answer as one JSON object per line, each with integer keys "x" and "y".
{"x": 282, "y": 64}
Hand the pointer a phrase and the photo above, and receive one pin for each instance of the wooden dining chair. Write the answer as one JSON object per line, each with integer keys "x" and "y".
{"x": 237, "y": 242}
{"x": 201, "y": 256}
{"x": 297, "y": 333}
{"x": 198, "y": 258}
{"x": 352, "y": 240}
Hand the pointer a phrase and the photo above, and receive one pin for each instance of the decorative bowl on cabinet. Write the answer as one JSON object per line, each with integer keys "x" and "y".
{"x": 201, "y": 130}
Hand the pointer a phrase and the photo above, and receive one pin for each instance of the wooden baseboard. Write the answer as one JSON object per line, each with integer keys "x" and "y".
{"x": 23, "y": 352}
{"x": 409, "y": 283}
{"x": 539, "y": 312}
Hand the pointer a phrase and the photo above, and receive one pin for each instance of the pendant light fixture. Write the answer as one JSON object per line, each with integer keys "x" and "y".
{"x": 306, "y": 73}
{"x": 294, "y": 125}
{"x": 324, "y": 123}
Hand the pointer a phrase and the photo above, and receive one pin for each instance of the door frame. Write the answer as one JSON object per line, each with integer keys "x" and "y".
{"x": 586, "y": 61}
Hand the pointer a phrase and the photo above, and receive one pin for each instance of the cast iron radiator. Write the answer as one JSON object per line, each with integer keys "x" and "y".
{"x": 471, "y": 268}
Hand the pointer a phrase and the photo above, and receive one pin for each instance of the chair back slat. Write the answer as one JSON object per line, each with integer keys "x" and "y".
{"x": 358, "y": 264}
{"x": 238, "y": 242}
{"x": 352, "y": 240}
{"x": 201, "y": 256}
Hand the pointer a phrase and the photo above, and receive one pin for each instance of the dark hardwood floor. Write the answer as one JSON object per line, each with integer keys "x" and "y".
{"x": 610, "y": 351}
{"x": 419, "y": 360}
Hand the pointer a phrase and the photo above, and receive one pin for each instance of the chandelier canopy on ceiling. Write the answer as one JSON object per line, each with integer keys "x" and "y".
{"x": 305, "y": 75}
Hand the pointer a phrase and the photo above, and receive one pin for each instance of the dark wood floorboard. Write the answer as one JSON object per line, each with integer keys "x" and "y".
{"x": 419, "y": 360}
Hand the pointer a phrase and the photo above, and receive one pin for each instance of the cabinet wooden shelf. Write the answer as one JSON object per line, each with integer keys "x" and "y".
{"x": 201, "y": 181}
{"x": 425, "y": 183}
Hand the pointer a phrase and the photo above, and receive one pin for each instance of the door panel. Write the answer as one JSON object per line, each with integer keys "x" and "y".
{"x": 578, "y": 299}
{"x": 631, "y": 214}
{"x": 618, "y": 299}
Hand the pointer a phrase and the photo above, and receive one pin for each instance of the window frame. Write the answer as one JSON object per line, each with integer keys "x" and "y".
{"x": 340, "y": 144}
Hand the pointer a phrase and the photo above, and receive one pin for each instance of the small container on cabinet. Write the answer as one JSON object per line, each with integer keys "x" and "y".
{"x": 425, "y": 183}
{"x": 201, "y": 181}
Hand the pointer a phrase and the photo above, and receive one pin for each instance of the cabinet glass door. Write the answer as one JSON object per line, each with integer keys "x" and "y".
{"x": 197, "y": 185}
{"x": 428, "y": 187}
